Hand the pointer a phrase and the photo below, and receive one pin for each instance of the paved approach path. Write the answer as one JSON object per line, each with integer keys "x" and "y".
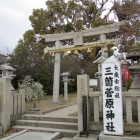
{"x": 67, "y": 111}
{"x": 33, "y": 136}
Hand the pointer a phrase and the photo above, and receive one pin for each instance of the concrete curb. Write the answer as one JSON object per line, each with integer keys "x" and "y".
{"x": 15, "y": 135}
{"x": 54, "y": 136}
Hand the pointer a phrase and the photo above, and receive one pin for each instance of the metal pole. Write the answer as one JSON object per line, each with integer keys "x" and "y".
{"x": 85, "y": 132}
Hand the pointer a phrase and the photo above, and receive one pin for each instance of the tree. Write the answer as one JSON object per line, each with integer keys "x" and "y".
{"x": 27, "y": 58}
{"x": 58, "y": 17}
{"x": 129, "y": 11}
{"x": 2, "y": 59}
{"x": 61, "y": 16}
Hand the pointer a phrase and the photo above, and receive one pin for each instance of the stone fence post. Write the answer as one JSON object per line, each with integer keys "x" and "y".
{"x": 82, "y": 89}
{"x": 5, "y": 102}
{"x": 22, "y": 92}
{"x": 18, "y": 102}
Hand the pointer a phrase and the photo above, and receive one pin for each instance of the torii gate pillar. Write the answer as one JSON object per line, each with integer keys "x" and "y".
{"x": 56, "y": 79}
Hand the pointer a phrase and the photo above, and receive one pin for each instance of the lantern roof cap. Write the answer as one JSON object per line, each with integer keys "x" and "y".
{"x": 7, "y": 67}
{"x": 65, "y": 74}
{"x": 101, "y": 59}
{"x": 133, "y": 55}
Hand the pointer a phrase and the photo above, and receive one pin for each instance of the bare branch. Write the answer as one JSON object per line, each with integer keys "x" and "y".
{"x": 101, "y": 7}
{"x": 106, "y": 16}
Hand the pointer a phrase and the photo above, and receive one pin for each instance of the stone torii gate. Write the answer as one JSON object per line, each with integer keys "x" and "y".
{"x": 77, "y": 38}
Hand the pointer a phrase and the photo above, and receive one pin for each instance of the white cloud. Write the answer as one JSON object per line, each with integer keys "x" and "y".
{"x": 14, "y": 20}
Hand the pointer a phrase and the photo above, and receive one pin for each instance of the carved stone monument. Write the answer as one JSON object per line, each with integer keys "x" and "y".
{"x": 82, "y": 90}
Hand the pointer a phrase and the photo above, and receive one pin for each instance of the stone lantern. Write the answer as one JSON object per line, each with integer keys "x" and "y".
{"x": 134, "y": 55}
{"x": 65, "y": 76}
{"x": 7, "y": 71}
{"x": 5, "y": 95}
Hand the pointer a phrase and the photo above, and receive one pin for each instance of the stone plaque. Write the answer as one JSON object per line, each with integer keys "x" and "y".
{"x": 112, "y": 97}
{"x": 78, "y": 38}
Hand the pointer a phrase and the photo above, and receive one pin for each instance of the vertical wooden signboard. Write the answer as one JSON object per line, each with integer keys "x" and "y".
{"x": 112, "y": 97}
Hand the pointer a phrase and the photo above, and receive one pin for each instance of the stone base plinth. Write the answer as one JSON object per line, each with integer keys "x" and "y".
{"x": 34, "y": 111}
{"x": 90, "y": 137}
{"x": 102, "y": 136}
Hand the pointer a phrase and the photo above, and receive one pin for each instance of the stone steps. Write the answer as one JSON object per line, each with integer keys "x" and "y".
{"x": 67, "y": 125}
{"x": 64, "y": 132}
{"x": 48, "y": 124}
{"x": 49, "y": 118}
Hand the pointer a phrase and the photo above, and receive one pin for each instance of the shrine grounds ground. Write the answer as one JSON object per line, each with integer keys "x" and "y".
{"x": 45, "y": 105}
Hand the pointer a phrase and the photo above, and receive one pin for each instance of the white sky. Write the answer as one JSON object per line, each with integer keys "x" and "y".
{"x": 14, "y": 21}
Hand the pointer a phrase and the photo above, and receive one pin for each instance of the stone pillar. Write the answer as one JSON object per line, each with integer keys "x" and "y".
{"x": 5, "y": 102}
{"x": 135, "y": 86}
{"x": 104, "y": 55}
{"x": 65, "y": 80}
{"x": 56, "y": 81}
{"x": 82, "y": 89}
{"x": 102, "y": 40}
{"x": 22, "y": 92}
{"x": 65, "y": 90}
{"x": 100, "y": 76}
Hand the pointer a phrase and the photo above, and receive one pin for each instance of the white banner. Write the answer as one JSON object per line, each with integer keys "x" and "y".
{"x": 112, "y": 97}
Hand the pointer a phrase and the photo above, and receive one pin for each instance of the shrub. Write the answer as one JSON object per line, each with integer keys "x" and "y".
{"x": 33, "y": 90}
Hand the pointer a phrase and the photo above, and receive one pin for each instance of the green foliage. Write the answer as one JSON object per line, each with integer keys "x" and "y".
{"x": 46, "y": 79}
{"x": 33, "y": 90}
{"x": 128, "y": 84}
{"x": 128, "y": 10}
{"x": 136, "y": 46}
{"x": 62, "y": 16}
